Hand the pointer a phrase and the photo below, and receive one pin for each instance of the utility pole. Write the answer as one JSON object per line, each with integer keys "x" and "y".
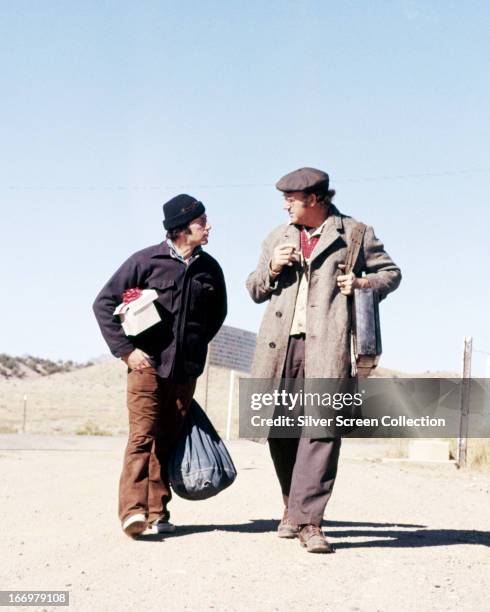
{"x": 465, "y": 402}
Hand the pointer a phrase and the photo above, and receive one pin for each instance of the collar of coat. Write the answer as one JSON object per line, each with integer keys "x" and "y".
{"x": 164, "y": 250}
{"x": 332, "y": 231}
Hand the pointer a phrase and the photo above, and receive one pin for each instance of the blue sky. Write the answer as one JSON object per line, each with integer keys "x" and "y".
{"x": 110, "y": 108}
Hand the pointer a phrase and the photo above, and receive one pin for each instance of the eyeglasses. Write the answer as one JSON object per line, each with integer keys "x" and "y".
{"x": 202, "y": 220}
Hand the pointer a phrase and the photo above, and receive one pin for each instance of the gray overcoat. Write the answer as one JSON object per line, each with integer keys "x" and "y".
{"x": 327, "y": 351}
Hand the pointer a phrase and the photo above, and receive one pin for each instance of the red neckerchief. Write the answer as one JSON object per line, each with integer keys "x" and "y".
{"x": 307, "y": 244}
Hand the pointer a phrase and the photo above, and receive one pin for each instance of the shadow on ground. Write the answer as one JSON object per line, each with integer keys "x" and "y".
{"x": 411, "y": 539}
{"x": 388, "y": 535}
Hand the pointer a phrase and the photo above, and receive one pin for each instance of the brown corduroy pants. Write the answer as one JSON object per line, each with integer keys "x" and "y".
{"x": 306, "y": 468}
{"x": 157, "y": 408}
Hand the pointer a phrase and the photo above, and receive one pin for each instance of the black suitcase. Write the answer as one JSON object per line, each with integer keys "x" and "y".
{"x": 366, "y": 330}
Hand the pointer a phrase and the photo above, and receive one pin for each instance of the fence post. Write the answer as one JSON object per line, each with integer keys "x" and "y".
{"x": 206, "y": 382}
{"x": 465, "y": 402}
{"x": 24, "y": 418}
{"x": 230, "y": 404}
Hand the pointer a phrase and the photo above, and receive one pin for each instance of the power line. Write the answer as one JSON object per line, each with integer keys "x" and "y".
{"x": 480, "y": 351}
{"x": 380, "y": 178}
{"x": 415, "y": 175}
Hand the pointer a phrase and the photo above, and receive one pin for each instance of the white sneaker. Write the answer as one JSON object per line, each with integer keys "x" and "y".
{"x": 161, "y": 525}
{"x": 134, "y": 525}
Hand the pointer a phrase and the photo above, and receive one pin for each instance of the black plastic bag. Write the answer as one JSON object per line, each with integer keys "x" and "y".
{"x": 200, "y": 465}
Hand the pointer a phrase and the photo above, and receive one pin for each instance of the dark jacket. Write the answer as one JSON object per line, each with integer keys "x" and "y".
{"x": 191, "y": 302}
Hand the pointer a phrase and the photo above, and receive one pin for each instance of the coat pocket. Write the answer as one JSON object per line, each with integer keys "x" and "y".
{"x": 166, "y": 291}
{"x": 201, "y": 298}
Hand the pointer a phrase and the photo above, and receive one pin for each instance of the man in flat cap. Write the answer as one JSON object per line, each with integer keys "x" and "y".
{"x": 165, "y": 359}
{"x": 305, "y": 332}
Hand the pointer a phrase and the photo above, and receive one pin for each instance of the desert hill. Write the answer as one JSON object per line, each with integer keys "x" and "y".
{"x": 92, "y": 399}
{"x": 34, "y": 367}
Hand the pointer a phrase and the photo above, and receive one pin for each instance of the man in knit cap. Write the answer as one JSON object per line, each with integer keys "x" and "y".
{"x": 165, "y": 359}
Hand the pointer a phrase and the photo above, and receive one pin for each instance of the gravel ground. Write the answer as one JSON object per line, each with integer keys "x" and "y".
{"x": 407, "y": 538}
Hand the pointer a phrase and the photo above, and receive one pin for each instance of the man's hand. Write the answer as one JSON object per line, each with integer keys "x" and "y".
{"x": 283, "y": 255}
{"x": 348, "y": 282}
{"x": 137, "y": 360}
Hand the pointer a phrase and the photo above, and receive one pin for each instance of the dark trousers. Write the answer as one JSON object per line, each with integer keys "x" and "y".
{"x": 157, "y": 408}
{"x": 306, "y": 468}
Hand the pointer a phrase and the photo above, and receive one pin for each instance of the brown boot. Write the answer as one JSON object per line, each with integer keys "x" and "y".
{"x": 312, "y": 538}
{"x": 286, "y": 528}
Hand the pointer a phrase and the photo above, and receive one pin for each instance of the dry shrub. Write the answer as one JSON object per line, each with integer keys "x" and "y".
{"x": 92, "y": 429}
{"x": 477, "y": 454}
{"x": 398, "y": 449}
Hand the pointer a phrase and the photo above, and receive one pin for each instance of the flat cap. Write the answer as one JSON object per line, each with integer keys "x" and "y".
{"x": 304, "y": 179}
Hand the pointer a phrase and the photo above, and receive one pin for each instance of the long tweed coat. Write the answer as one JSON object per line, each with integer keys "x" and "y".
{"x": 328, "y": 321}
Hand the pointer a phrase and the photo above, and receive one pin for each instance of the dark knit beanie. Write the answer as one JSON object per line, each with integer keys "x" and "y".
{"x": 181, "y": 210}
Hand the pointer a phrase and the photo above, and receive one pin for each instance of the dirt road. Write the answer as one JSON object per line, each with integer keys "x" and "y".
{"x": 407, "y": 538}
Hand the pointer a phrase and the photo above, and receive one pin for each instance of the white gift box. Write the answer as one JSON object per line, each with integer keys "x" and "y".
{"x": 140, "y": 314}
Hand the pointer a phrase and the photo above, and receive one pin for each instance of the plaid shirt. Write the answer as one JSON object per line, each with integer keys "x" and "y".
{"x": 176, "y": 255}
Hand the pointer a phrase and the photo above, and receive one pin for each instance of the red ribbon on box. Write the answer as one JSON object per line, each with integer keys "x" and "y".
{"x": 131, "y": 294}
